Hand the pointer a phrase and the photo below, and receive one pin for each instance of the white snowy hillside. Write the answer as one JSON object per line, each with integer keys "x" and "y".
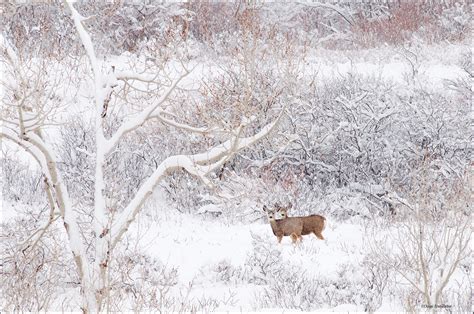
{"x": 247, "y": 156}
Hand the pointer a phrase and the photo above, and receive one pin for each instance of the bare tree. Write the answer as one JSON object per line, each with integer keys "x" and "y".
{"x": 428, "y": 249}
{"x": 31, "y": 109}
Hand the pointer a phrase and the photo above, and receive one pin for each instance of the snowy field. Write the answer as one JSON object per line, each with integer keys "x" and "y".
{"x": 216, "y": 258}
{"x": 232, "y": 267}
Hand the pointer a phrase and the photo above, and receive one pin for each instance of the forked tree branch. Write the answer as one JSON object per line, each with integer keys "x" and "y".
{"x": 139, "y": 120}
{"x": 199, "y": 165}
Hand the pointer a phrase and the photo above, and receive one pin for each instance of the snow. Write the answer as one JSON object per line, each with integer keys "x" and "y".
{"x": 397, "y": 71}
{"x": 210, "y": 208}
{"x": 192, "y": 243}
{"x": 9, "y": 211}
{"x": 345, "y": 308}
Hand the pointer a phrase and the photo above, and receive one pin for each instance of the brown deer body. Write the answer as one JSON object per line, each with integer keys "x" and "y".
{"x": 295, "y": 227}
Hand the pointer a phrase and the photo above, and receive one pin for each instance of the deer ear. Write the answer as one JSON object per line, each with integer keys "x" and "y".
{"x": 265, "y": 209}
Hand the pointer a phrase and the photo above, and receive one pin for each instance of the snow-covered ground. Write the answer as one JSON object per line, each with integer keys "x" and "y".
{"x": 221, "y": 261}
{"x": 196, "y": 245}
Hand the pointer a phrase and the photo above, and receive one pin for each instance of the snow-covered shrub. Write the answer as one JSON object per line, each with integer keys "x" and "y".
{"x": 294, "y": 288}
{"x": 40, "y": 29}
{"x": 375, "y": 282}
{"x": 371, "y": 137}
{"x": 130, "y": 27}
{"x": 264, "y": 263}
{"x": 134, "y": 26}
{"x": 240, "y": 197}
{"x": 223, "y": 271}
{"x": 34, "y": 277}
{"x": 458, "y": 298}
{"x": 76, "y": 149}
{"x": 455, "y": 21}
{"x": 20, "y": 182}
{"x": 142, "y": 280}
{"x": 462, "y": 86}
{"x": 226, "y": 271}
{"x": 215, "y": 19}
{"x": 344, "y": 287}
{"x": 342, "y": 131}
{"x": 185, "y": 192}
{"x": 408, "y": 21}
{"x": 341, "y": 205}
{"x": 428, "y": 251}
{"x": 394, "y": 27}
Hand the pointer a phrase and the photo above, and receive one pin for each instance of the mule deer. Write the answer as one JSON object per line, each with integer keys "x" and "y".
{"x": 311, "y": 224}
{"x": 294, "y": 227}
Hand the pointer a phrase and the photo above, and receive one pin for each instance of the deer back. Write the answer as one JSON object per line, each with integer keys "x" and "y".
{"x": 313, "y": 223}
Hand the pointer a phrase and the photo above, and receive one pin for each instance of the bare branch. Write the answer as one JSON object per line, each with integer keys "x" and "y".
{"x": 145, "y": 115}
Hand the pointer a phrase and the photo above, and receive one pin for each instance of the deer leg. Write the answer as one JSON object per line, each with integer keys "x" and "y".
{"x": 279, "y": 238}
{"x": 294, "y": 237}
{"x": 319, "y": 235}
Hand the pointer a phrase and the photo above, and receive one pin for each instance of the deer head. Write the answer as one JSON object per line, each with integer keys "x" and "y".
{"x": 270, "y": 212}
{"x": 283, "y": 210}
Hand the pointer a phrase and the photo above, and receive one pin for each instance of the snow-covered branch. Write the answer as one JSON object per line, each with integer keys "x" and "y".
{"x": 160, "y": 115}
{"x": 199, "y": 165}
{"x": 142, "y": 117}
{"x": 342, "y": 12}
{"x": 85, "y": 37}
{"x": 42, "y": 153}
{"x": 142, "y": 77}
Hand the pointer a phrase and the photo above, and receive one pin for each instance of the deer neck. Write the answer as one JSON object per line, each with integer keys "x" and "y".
{"x": 274, "y": 226}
